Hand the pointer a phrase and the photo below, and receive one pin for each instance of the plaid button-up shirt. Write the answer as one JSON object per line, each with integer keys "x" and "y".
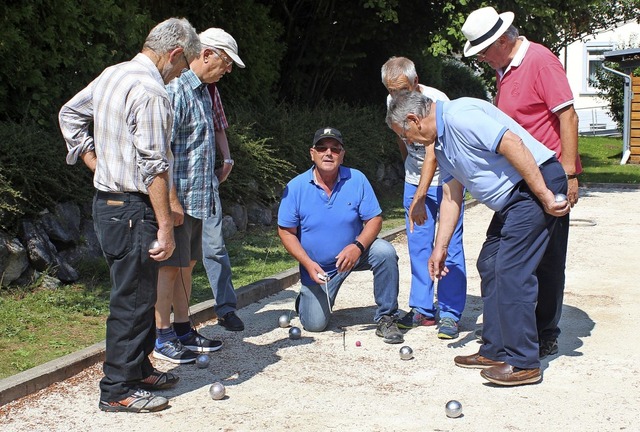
{"x": 219, "y": 119}
{"x": 131, "y": 117}
{"x": 193, "y": 144}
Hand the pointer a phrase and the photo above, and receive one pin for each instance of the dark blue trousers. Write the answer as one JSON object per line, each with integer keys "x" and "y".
{"x": 517, "y": 239}
{"x": 126, "y": 225}
{"x": 551, "y": 281}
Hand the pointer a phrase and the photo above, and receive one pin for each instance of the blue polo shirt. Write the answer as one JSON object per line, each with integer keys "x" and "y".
{"x": 469, "y": 131}
{"x": 327, "y": 224}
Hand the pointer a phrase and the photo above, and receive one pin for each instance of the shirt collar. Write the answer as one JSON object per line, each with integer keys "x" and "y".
{"x": 518, "y": 58}
{"x": 191, "y": 79}
{"x": 312, "y": 176}
{"x": 147, "y": 63}
{"x": 439, "y": 121}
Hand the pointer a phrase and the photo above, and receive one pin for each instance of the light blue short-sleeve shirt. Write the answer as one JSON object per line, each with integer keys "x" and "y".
{"x": 469, "y": 131}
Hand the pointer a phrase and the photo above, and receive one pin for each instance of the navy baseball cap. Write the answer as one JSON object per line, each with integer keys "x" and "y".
{"x": 327, "y": 132}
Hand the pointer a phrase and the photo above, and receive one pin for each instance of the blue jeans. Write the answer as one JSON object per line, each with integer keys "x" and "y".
{"x": 381, "y": 258}
{"x": 125, "y": 226}
{"x": 452, "y": 289}
{"x": 517, "y": 239}
{"x": 216, "y": 261}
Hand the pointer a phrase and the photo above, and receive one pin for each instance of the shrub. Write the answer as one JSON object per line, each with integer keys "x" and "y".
{"x": 34, "y": 174}
{"x": 264, "y": 165}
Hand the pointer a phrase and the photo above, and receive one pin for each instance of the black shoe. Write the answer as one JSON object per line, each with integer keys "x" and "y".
{"x": 388, "y": 330}
{"x": 231, "y": 322}
{"x": 195, "y": 342}
{"x": 548, "y": 347}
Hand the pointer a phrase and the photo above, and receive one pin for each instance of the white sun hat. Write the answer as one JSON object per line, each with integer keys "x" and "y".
{"x": 483, "y": 27}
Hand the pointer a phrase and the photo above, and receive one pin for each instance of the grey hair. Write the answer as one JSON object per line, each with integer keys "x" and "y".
{"x": 512, "y": 33}
{"x": 405, "y": 103}
{"x": 171, "y": 34}
{"x": 397, "y": 66}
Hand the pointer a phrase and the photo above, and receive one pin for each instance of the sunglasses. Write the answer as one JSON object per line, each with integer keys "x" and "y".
{"x": 322, "y": 149}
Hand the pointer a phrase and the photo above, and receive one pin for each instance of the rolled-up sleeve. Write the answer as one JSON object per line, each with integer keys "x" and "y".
{"x": 75, "y": 119}
{"x": 152, "y": 137}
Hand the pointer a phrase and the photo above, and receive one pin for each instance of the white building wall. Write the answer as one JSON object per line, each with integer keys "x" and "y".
{"x": 578, "y": 57}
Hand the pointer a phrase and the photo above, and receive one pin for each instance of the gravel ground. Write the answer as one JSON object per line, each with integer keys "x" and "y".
{"x": 325, "y": 382}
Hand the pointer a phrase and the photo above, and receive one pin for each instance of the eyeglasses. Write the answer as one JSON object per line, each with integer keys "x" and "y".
{"x": 483, "y": 53}
{"x": 185, "y": 60}
{"x": 323, "y": 149}
{"x": 224, "y": 58}
{"x": 403, "y": 135}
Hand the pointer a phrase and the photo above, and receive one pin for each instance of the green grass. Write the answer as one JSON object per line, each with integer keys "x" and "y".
{"x": 38, "y": 324}
{"x": 601, "y": 162}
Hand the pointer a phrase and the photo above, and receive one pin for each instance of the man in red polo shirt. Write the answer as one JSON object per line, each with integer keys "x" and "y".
{"x": 533, "y": 90}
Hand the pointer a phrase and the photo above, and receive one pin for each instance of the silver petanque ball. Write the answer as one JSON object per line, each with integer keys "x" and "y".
{"x": 295, "y": 333}
{"x": 217, "y": 391}
{"x": 453, "y": 408}
{"x": 154, "y": 244}
{"x": 406, "y": 353}
{"x": 561, "y": 197}
{"x": 284, "y": 320}
{"x": 202, "y": 361}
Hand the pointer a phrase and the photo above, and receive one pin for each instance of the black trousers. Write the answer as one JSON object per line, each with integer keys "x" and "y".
{"x": 126, "y": 225}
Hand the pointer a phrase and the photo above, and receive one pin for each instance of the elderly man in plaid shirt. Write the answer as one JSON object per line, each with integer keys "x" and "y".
{"x": 193, "y": 196}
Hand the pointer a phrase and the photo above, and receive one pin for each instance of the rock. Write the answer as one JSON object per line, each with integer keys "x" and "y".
{"x": 239, "y": 215}
{"x": 229, "y": 228}
{"x": 43, "y": 255}
{"x": 70, "y": 216}
{"x": 13, "y": 259}
{"x": 259, "y": 214}
{"x": 57, "y": 233}
{"x": 49, "y": 282}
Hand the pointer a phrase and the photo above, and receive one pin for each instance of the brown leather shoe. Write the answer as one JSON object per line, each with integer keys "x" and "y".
{"x": 475, "y": 361}
{"x": 507, "y": 375}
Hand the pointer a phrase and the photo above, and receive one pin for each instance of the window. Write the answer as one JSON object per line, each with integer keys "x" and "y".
{"x": 593, "y": 59}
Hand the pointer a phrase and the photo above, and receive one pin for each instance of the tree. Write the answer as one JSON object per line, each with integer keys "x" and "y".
{"x": 52, "y": 48}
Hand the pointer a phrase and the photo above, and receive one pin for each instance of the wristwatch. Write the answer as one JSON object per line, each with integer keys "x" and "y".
{"x": 359, "y": 245}
{"x": 228, "y": 161}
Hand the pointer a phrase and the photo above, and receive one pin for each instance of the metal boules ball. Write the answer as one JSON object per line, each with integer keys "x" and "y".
{"x": 202, "y": 361}
{"x": 406, "y": 353}
{"x": 154, "y": 244}
{"x": 217, "y": 391}
{"x": 453, "y": 409}
{"x": 284, "y": 320}
{"x": 295, "y": 333}
{"x": 561, "y": 197}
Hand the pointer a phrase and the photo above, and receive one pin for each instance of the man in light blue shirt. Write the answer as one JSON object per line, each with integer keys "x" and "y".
{"x": 480, "y": 148}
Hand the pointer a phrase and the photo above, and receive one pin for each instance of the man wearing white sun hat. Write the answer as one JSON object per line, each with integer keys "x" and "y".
{"x": 533, "y": 90}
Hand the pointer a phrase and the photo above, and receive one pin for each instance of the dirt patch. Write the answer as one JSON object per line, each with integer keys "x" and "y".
{"x": 325, "y": 382}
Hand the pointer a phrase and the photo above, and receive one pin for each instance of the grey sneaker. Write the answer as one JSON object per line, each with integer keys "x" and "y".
{"x": 140, "y": 401}
{"x": 173, "y": 351}
{"x": 448, "y": 328}
{"x": 388, "y": 330}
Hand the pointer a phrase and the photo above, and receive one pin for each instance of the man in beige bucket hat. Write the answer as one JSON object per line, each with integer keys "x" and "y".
{"x": 533, "y": 90}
